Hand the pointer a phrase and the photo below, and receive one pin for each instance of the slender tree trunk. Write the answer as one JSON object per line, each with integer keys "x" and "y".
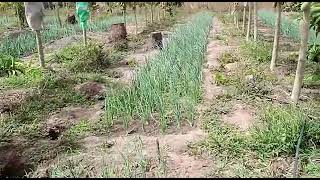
{"x": 146, "y": 15}
{"x": 124, "y": 16}
{"x": 84, "y": 32}
{"x": 58, "y": 14}
{"x": 276, "y": 38}
{"x": 151, "y": 13}
{"x": 40, "y": 48}
{"x": 255, "y": 25}
{"x": 244, "y": 19}
{"x": 249, "y": 21}
{"x": 135, "y": 18}
{"x": 304, "y": 30}
{"x": 159, "y": 15}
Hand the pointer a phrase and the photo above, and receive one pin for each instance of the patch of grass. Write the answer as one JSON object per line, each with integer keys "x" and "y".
{"x": 280, "y": 132}
{"x": 83, "y": 59}
{"x": 312, "y": 79}
{"x": 133, "y": 163}
{"x": 221, "y": 79}
{"x": 226, "y": 18}
{"x": 228, "y": 58}
{"x": 32, "y": 77}
{"x": 257, "y": 51}
{"x": 80, "y": 129}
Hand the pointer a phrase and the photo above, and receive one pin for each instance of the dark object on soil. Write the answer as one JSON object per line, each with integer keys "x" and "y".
{"x": 71, "y": 19}
{"x": 54, "y": 133}
{"x": 11, "y": 164}
{"x": 91, "y": 90}
{"x": 118, "y": 36}
{"x": 118, "y": 32}
{"x": 156, "y": 40}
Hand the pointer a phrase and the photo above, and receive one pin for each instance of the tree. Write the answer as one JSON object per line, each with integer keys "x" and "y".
{"x": 244, "y": 16}
{"x": 249, "y": 21}
{"x": 304, "y": 31}
{"x": 255, "y": 24}
{"x": 276, "y": 36}
{"x": 56, "y": 6}
{"x": 235, "y": 14}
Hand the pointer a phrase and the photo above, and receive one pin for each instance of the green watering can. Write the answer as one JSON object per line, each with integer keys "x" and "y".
{"x": 82, "y": 10}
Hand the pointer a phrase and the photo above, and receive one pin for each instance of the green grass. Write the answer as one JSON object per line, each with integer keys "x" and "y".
{"x": 257, "y": 51}
{"x": 170, "y": 80}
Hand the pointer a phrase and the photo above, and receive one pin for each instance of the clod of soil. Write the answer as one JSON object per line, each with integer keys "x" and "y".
{"x": 91, "y": 90}
{"x": 10, "y": 100}
{"x": 67, "y": 117}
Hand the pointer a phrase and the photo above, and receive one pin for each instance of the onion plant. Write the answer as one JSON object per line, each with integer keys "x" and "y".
{"x": 288, "y": 27}
{"x": 169, "y": 86}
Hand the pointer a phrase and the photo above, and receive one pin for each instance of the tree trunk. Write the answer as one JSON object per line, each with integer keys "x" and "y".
{"x": 21, "y": 15}
{"x": 146, "y": 15}
{"x": 255, "y": 25}
{"x": 40, "y": 48}
{"x": 151, "y": 13}
{"x": 135, "y": 19}
{"x": 276, "y": 38}
{"x": 84, "y": 36}
{"x": 304, "y": 30}
{"x": 244, "y": 19}
{"x": 124, "y": 15}
{"x": 249, "y": 21}
{"x": 58, "y": 14}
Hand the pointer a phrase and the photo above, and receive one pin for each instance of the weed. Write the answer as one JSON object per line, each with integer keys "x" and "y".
{"x": 80, "y": 59}
{"x": 80, "y": 129}
{"x": 257, "y": 51}
{"x": 220, "y": 78}
{"x": 10, "y": 66}
{"x": 228, "y": 58}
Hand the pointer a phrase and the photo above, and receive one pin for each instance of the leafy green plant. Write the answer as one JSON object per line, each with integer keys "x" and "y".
{"x": 10, "y": 66}
{"x": 79, "y": 59}
{"x": 314, "y": 53}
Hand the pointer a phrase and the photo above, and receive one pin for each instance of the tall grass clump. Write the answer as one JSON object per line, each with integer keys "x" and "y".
{"x": 288, "y": 27}
{"x": 281, "y": 129}
{"x": 169, "y": 85}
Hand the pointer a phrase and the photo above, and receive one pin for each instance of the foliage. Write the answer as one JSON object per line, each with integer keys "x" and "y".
{"x": 292, "y": 6}
{"x": 80, "y": 59}
{"x": 315, "y": 17}
{"x": 257, "y": 51}
{"x": 10, "y": 66}
{"x": 314, "y": 53}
